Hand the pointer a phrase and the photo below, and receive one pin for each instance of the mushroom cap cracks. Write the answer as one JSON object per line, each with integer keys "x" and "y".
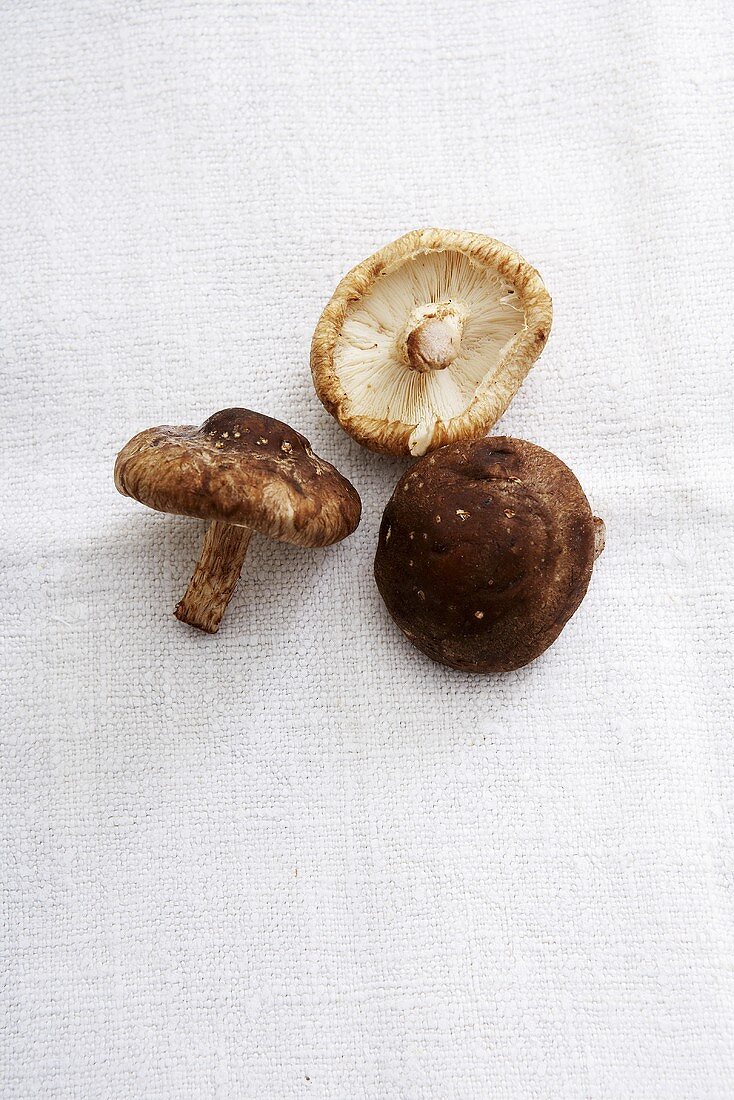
{"x": 427, "y": 341}
{"x": 243, "y": 468}
{"x": 485, "y": 552}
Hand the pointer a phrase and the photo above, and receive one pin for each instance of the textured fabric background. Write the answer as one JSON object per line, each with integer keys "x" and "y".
{"x": 297, "y": 859}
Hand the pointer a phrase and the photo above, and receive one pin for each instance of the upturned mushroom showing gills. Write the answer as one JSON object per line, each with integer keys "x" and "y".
{"x": 485, "y": 552}
{"x": 427, "y": 341}
{"x": 243, "y": 472}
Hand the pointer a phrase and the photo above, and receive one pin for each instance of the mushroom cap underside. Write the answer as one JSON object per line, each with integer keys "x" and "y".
{"x": 485, "y": 551}
{"x": 244, "y": 468}
{"x": 427, "y": 341}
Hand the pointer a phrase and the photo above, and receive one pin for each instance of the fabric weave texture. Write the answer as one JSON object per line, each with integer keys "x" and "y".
{"x": 297, "y": 859}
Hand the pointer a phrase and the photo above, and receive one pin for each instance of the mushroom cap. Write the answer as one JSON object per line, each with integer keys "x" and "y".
{"x": 485, "y": 552}
{"x": 243, "y": 468}
{"x": 479, "y": 315}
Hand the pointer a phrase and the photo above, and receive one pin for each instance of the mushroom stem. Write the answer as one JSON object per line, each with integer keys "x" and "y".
{"x": 215, "y": 577}
{"x": 432, "y": 337}
{"x": 600, "y": 535}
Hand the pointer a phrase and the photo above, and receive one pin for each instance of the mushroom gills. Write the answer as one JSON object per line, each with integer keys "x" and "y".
{"x": 416, "y": 347}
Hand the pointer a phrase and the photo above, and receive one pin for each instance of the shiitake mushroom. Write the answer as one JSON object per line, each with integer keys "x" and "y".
{"x": 427, "y": 341}
{"x": 243, "y": 472}
{"x": 485, "y": 551}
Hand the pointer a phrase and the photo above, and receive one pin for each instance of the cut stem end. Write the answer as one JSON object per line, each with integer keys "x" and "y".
{"x": 432, "y": 337}
{"x": 600, "y": 535}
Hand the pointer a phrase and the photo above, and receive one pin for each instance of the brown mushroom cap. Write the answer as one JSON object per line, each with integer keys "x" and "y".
{"x": 427, "y": 341}
{"x": 241, "y": 468}
{"x": 485, "y": 552}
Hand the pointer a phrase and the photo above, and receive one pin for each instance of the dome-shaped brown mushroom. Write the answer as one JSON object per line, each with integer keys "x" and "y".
{"x": 485, "y": 552}
{"x": 427, "y": 341}
{"x": 244, "y": 472}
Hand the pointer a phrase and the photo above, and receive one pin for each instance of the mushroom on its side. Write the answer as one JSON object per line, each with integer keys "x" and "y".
{"x": 427, "y": 341}
{"x": 485, "y": 552}
{"x": 243, "y": 472}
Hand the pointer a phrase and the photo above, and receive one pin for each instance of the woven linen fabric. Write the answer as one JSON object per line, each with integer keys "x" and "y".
{"x": 298, "y": 859}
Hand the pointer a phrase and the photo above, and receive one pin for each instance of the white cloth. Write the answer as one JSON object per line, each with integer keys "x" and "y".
{"x": 298, "y": 859}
